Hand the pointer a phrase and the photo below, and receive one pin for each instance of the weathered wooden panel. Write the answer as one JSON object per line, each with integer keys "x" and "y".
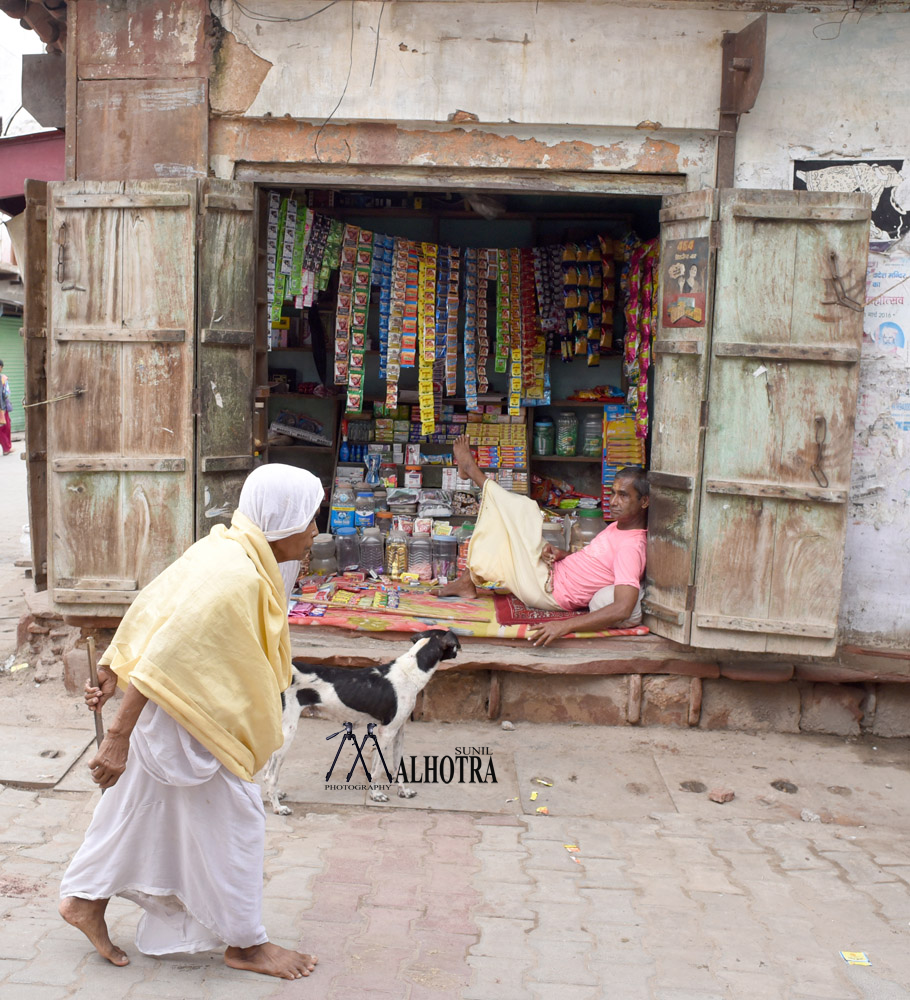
{"x": 782, "y": 398}
{"x": 34, "y": 323}
{"x": 134, "y": 38}
{"x": 121, "y": 453}
{"x": 225, "y": 351}
{"x": 680, "y": 378}
{"x": 134, "y": 129}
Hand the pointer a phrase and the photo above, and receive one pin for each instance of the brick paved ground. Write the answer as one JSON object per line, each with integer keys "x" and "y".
{"x": 673, "y": 898}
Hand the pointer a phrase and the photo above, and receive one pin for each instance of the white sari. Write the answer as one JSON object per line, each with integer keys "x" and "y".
{"x": 181, "y": 836}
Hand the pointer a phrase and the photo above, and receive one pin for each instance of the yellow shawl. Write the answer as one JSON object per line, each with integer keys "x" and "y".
{"x": 207, "y": 640}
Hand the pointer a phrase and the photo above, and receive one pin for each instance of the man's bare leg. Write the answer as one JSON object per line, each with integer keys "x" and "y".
{"x": 271, "y": 960}
{"x": 467, "y": 467}
{"x": 87, "y": 915}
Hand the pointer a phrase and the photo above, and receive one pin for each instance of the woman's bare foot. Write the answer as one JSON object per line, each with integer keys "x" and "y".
{"x": 467, "y": 467}
{"x": 87, "y": 915}
{"x": 462, "y": 587}
{"x": 271, "y": 960}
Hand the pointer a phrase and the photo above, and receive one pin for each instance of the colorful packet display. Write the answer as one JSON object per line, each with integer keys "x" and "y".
{"x": 411, "y": 306}
{"x": 344, "y": 306}
{"x": 503, "y": 313}
{"x": 447, "y": 283}
{"x": 487, "y": 271}
{"x": 382, "y": 276}
{"x": 608, "y": 273}
{"x": 272, "y": 224}
{"x": 280, "y": 287}
{"x": 331, "y": 257}
{"x": 583, "y": 297}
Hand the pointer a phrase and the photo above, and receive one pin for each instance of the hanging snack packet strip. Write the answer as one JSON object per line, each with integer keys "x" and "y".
{"x": 443, "y": 268}
{"x": 470, "y": 328}
{"x": 608, "y": 273}
{"x": 280, "y": 275}
{"x": 360, "y": 311}
{"x": 272, "y": 256}
{"x": 503, "y": 313}
{"x": 382, "y": 276}
{"x": 307, "y": 283}
{"x": 295, "y": 282}
{"x": 486, "y": 272}
{"x": 451, "y": 345}
{"x": 515, "y": 333}
{"x": 411, "y": 305}
{"x": 331, "y": 254}
{"x": 570, "y": 301}
{"x": 533, "y": 342}
{"x": 396, "y": 315}
{"x": 344, "y": 308}
{"x": 649, "y": 319}
{"x": 426, "y": 313}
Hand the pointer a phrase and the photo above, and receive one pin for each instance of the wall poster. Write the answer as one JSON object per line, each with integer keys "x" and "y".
{"x": 683, "y": 282}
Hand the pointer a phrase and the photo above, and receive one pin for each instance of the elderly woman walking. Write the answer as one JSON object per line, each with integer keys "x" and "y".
{"x": 202, "y": 655}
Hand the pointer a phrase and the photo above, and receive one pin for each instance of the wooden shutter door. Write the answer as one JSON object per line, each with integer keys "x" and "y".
{"x": 680, "y": 356}
{"x": 122, "y": 321}
{"x": 781, "y": 402}
{"x": 225, "y": 355}
{"x": 34, "y": 329}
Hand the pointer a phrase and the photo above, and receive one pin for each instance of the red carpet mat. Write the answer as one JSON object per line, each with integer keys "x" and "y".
{"x": 512, "y": 611}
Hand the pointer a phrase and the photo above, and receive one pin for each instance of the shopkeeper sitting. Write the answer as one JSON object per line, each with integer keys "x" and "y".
{"x": 507, "y": 546}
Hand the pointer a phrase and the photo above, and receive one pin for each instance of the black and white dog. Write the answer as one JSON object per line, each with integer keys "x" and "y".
{"x": 385, "y": 695}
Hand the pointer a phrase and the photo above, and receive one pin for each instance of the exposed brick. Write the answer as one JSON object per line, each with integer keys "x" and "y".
{"x": 665, "y": 701}
{"x": 831, "y": 708}
{"x": 588, "y": 700}
{"x": 892, "y": 711}
{"x": 455, "y": 695}
{"x": 762, "y": 708}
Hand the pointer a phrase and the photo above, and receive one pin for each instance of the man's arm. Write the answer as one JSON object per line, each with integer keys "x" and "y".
{"x": 624, "y": 600}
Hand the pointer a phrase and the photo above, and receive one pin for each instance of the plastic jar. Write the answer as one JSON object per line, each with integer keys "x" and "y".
{"x": 592, "y": 434}
{"x": 588, "y": 524}
{"x": 322, "y": 556}
{"x": 384, "y": 520}
{"x": 566, "y": 433}
{"x": 347, "y": 549}
{"x": 463, "y": 538}
{"x": 555, "y": 535}
{"x": 420, "y": 556}
{"x": 396, "y": 553}
{"x": 371, "y": 551}
{"x": 445, "y": 557}
{"x": 544, "y": 436}
{"x": 364, "y": 510}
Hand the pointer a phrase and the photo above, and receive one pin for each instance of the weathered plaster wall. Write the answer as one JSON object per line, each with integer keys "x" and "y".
{"x": 876, "y": 600}
{"x": 531, "y": 63}
{"x": 823, "y": 99}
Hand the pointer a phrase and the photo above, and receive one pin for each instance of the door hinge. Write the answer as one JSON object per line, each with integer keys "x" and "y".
{"x": 703, "y": 418}
{"x": 714, "y": 236}
{"x": 690, "y": 598}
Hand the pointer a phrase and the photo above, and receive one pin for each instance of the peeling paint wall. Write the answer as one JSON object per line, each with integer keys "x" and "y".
{"x": 823, "y": 98}
{"x": 527, "y": 62}
{"x": 876, "y": 602}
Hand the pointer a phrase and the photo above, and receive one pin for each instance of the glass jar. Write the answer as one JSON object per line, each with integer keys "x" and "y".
{"x": 396, "y": 553}
{"x": 566, "y": 433}
{"x": 420, "y": 556}
{"x": 463, "y": 538}
{"x": 445, "y": 557}
{"x": 592, "y": 434}
{"x": 322, "y": 556}
{"x": 371, "y": 551}
{"x": 364, "y": 510}
{"x": 588, "y": 524}
{"x": 544, "y": 436}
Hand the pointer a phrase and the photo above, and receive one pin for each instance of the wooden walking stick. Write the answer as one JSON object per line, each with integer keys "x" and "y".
{"x": 93, "y": 674}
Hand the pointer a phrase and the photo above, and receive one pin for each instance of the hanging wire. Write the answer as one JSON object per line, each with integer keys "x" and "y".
{"x": 10, "y": 122}
{"x": 340, "y": 99}
{"x": 838, "y": 24}
{"x": 255, "y": 15}
{"x": 376, "y": 52}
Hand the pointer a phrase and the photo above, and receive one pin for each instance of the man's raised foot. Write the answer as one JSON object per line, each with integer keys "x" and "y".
{"x": 87, "y": 915}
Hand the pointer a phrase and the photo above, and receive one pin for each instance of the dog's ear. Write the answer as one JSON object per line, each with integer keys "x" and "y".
{"x": 450, "y": 646}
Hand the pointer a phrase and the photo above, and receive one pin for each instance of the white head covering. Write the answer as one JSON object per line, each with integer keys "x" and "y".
{"x": 282, "y": 500}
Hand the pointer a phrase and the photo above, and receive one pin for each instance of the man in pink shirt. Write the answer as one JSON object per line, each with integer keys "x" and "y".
{"x": 604, "y": 577}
